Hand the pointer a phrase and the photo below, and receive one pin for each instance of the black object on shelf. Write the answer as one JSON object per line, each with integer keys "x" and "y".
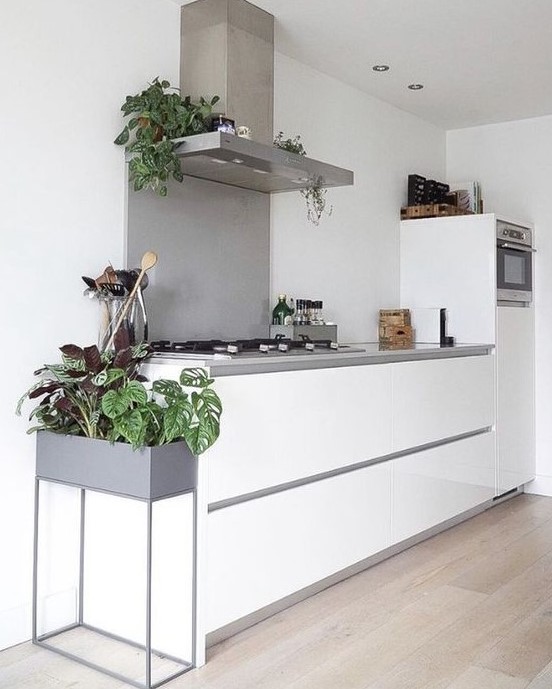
{"x": 415, "y": 190}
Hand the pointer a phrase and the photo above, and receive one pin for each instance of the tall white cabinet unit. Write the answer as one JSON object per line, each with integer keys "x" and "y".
{"x": 515, "y": 353}
{"x": 451, "y": 263}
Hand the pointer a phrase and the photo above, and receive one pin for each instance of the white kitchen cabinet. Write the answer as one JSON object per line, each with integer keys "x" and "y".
{"x": 282, "y": 427}
{"x": 515, "y": 398}
{"x": 451, "y": 263}
{"x": 434, "y": 485}
{"x": 441, "y": 398}
{"x": 262, "y": 550}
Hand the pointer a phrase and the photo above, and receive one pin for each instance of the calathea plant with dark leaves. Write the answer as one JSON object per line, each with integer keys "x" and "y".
{"x": 104, "y": 396}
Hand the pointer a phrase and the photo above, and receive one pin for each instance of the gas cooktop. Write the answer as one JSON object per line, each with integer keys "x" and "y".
{"x": 239, "y": 348}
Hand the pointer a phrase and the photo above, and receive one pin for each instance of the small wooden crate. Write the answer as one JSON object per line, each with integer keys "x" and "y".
{"x": 395, "y": 328}
{"x": 395, "y": 334}
{"x": 384, "y": 346}
{"x": 394, "y": 317}
{"x": 432, "y": 210}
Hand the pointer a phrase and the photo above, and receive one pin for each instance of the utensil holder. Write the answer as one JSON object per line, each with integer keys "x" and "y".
{"x": 131, "y": 330}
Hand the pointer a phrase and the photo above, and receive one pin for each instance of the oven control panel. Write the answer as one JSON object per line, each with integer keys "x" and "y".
{"x": 514, "y": 233}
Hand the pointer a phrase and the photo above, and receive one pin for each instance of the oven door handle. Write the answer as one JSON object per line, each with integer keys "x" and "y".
{"x": 517, "y": 247}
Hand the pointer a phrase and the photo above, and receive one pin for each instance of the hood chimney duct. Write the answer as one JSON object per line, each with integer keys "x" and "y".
{"x": 227, "y": 49}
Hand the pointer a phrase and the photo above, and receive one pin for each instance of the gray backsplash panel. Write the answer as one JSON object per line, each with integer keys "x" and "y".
{"x": 212, "y": 277}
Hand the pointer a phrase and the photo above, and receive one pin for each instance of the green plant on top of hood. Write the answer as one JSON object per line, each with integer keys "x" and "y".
{"x": 158, "y": 115}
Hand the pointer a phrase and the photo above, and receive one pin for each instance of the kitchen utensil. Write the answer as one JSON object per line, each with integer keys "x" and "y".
{"x": 144, "y": 314}
{"x": 127, "y": 278}
{"x": 145, "y": 282}
{"x": 89, "y": 282}
{"x": 116, "y": 289}
{"x": 145, "y": 279}
{"x": 107, "y": 277}
{"x": 149, "y": 259}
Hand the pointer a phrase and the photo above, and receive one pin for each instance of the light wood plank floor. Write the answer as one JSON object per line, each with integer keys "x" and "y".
{"x": 470, "y": 608}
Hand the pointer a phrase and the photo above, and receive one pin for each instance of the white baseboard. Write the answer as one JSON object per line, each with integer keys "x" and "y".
{"x": 541, "y": 485}
{"x": 54, "y": 611}
{"x": 15, "y": 626}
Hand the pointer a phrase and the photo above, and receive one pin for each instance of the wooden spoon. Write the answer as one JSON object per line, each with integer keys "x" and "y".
{"x": 149, "y": 259}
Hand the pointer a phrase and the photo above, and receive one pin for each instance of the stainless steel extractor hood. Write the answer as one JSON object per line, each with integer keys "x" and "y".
{"x": 227, "y": 49}
{"x": 239, "y": 162}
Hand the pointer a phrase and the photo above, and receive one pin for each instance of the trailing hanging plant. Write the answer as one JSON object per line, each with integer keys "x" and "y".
{"x": 102, "y": 395}
{"x": 315, "y": 196}
{"x": 315, "y": 193}
{"x": 158, "y": 115}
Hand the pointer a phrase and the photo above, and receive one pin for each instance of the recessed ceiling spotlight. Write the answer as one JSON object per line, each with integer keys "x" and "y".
{"x": 238, "y": 161}
{"x": 415, "y": 87}
{"x": 380, "y": 68}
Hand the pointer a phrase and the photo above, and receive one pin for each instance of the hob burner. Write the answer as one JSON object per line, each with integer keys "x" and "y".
{"x": 237, "y": 347}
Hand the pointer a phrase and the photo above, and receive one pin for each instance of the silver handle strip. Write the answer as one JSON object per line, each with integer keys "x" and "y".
{"x": 517, "y": 247}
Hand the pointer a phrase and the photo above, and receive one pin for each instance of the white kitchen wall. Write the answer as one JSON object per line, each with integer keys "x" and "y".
{"x": 65, "y": 68}
{"x": 351, "y": 260}
{"x": 513, "y": 163}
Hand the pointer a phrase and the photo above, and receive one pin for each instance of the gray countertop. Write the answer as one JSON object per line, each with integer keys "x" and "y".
{"x": 357, "y": 354}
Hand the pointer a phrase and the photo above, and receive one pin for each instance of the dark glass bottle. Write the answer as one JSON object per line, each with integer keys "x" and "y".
{"x": 281, "y": 315}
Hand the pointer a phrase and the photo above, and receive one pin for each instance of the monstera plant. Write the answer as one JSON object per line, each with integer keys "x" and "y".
{"x": 104, "y": 396}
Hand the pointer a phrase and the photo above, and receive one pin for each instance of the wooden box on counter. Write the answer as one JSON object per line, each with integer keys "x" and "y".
{"x": 394, "y": 317}
{"x": 395, "y": 327}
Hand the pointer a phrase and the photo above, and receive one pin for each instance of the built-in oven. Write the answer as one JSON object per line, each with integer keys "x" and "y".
{"x": 514, "y": 263}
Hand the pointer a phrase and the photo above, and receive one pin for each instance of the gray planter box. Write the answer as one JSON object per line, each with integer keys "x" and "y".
{"x": 150, "y": 473}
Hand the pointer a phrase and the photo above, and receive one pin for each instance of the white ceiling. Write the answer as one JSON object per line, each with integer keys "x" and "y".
{"x": 481, "y": 61}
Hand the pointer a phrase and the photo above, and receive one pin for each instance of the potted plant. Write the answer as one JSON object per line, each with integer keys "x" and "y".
{"x": 101, "y": 427}
{"x": 315, "y": 193}
{"x": 158, "y": 115}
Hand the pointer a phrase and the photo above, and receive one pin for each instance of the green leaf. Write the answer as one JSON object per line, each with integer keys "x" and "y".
{"x": 113, "y": 375}
{"x": 195, "y": 378}
{"x": 207, "y": 404}
{"x": 176, "y": 420}
{"x": 208, "y": 409}
{"x": 100, "y": 378}
{"x": 140, "y": 350}
{"x": 135, "y": 392}
{"x": 167, "y": 388}
{"x": 198, "y": 439}
{"x": 123, "y": 137}
{"x": 130, "y": 426}
{"x": 115, "y": 403}
{"x": 59, "y": 372}
{"x": 25, "y": 396}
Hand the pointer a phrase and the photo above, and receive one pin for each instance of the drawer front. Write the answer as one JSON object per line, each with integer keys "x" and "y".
{"x": 432, "y": 486}
{"x": 263, "y": 550}
{"x": 279, "y": 427}
{"x": 441, "y": 398}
